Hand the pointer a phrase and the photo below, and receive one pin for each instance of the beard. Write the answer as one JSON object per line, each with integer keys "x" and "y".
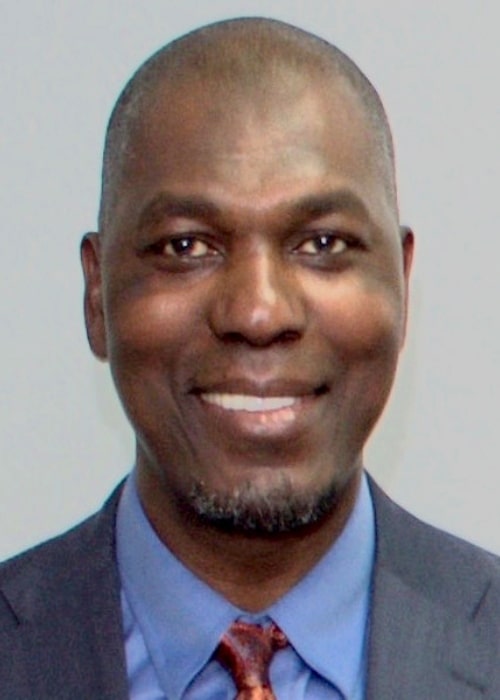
{"x": 252, "y": 510}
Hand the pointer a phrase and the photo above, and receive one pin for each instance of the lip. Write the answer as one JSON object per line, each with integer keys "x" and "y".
{"x": 272, "y": 409}
{"x": 248, "y": 402}
{"x": 269, "y": 388}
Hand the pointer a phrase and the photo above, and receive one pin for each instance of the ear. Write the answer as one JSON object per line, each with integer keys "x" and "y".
{"x": 90, "y": 254}
{"x": 407, "y": 245}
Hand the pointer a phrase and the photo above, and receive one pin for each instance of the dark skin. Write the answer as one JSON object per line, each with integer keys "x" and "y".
{"x": 254, "y": 254}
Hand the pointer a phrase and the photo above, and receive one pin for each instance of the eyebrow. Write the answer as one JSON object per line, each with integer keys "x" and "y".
{"x": 339, "y": 201}
{"x": 167, "y": 204}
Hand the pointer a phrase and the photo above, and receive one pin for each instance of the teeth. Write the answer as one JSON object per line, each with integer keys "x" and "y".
{"x": 253, "y": 404}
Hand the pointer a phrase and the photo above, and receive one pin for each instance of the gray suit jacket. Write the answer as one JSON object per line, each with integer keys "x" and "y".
{"x": 434, "y": 630}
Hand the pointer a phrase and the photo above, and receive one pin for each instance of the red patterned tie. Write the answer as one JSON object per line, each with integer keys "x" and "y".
{"x": 246, "y": 651}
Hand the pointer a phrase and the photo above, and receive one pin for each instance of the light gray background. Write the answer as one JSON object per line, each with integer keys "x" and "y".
{"x": 64, "y": 442}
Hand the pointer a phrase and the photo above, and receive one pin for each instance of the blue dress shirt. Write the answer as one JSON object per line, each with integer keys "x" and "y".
{"x": 173, "y": 620}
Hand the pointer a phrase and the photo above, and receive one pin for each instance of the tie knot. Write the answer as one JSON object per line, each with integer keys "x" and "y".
{"x": 246, "y": 651}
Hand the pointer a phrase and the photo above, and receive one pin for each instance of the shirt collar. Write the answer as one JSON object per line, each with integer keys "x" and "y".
{"x": 325, "y": 615}
{"x": 182, "y": 619}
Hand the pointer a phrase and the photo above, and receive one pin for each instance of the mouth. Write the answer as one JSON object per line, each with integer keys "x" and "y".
{"x": 272, "y": 409}
{"x": 248, "y": 402}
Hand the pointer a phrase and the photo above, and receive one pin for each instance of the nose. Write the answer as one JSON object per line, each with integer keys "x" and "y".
{"x": 258, "y": 301}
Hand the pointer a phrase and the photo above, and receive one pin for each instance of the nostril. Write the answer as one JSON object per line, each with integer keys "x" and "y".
{"x": 288, "y": 336}
{"x": 234, "y": 337}
{"x": 264, "y": 340}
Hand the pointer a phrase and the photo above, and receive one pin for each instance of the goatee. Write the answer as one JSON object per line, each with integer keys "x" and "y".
{"x": 253, "y": 510}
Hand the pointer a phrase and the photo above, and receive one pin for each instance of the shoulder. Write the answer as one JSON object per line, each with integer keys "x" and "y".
{"x": 32, "y": 578}
{"x": 61, "y": 632}
{"x": 448, "y": 568}
{"x": 434, "y": 626}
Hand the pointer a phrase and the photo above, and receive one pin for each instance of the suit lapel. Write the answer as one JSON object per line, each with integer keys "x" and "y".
{"x": 433, "y": 629}
{"x": 69, "y": 621}
{"x": 424, "y": 641}
{"x": 416, "y": 651}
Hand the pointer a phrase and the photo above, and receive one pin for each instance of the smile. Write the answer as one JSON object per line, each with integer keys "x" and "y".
{"x": 279, "y": 410}
{"x": 246, "y": 402}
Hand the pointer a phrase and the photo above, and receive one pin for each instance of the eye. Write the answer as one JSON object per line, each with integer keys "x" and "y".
{"x": 329, "y": 243}
{"x": 186, "y": 247}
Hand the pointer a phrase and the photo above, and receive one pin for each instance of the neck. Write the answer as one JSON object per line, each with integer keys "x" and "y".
{"x": 252, "y": 571}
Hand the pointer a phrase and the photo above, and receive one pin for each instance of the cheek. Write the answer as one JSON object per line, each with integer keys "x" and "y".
{"x": 153, "y": 339}
{"x": 361, "y": 321}
{"x": 151, "y": 326}
{"x": 363, "y": 327}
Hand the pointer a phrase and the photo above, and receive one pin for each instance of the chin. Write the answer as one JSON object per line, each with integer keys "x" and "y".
{"x": 254, "y": 509}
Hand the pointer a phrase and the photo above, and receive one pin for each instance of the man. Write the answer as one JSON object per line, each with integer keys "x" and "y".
{"x": 248, "y": 285}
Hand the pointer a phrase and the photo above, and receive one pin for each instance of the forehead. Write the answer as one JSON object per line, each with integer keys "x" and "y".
{"x": 288, "y": 135}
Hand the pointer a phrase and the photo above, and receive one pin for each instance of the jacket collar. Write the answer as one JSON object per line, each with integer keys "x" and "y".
{"x": 432, "y": 630}
{"x": 79, "y": 566}
{"x": 433, "y": 600}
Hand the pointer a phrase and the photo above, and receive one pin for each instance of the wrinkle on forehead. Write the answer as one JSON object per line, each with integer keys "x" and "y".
{"x": 254, "y": 136}
{"x": 251, "y": 57}
{"x": 251, "y": 152}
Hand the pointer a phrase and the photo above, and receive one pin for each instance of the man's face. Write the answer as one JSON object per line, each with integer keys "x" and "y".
{"x": 249, "y": 293}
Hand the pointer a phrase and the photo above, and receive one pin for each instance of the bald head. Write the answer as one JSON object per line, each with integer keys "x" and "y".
{"x": 249, "y": 59}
